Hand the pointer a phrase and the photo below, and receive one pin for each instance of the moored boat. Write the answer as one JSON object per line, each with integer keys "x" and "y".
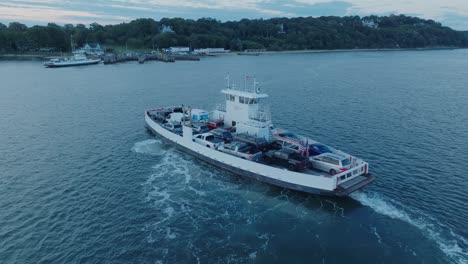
{"x": 78, "y": 59}
{"x": 281, "y": 158}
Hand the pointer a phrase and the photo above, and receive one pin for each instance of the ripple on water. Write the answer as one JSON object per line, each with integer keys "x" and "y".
{"x": 150, "y": 147}
{"x": 453, "y": 245}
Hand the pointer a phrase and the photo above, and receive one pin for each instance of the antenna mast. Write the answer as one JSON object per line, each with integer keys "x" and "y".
{"x": 228, "y": 80}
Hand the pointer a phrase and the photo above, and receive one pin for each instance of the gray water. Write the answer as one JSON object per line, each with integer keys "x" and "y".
{"x": 81, "y": 179}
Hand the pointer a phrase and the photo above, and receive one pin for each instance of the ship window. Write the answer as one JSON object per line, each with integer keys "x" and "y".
{"x": 232, "y": 97}
{"x": 233, "y": 123}
{"x": 227, "y": 97}
{"x": 241, "y": 99}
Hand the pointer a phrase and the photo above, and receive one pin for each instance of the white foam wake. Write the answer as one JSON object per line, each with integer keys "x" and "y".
{"x": 446, "y": 239}
{"x": 149, "y": 147}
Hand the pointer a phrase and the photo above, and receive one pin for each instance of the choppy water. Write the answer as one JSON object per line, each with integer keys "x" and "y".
{"x": 81, "y": 180}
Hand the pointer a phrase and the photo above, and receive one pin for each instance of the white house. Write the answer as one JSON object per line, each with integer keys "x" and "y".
{"x": 166, "y": 29}
{"x": 92, "y": 49}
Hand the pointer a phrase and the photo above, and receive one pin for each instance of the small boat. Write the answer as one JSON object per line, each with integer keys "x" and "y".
{"x": 286, "y": 159}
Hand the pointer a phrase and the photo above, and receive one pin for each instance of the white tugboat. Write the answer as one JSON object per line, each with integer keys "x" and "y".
{"x": 244, "y": 141}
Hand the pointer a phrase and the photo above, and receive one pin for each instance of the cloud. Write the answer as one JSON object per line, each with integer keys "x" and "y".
{"x": 430, "y": 9}
{"x": 226, "y": 5}
{"x": 40, "y": 13}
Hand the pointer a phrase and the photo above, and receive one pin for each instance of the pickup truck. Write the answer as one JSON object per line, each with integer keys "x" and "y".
{"x": 209, "y": 140}
{"x": 242, "y": 150}
{"x": 287, "y": 158}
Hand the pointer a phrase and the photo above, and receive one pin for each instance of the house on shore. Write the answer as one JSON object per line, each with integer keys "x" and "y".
{"x": 92, "y": 49}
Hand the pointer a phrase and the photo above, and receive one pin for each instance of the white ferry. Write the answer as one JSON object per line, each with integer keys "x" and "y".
{"x": 286, "y": 159}
{"x": 78, "y": 59}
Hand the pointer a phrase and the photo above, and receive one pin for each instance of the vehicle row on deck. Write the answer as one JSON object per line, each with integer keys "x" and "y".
{"x": 214, "y": 134}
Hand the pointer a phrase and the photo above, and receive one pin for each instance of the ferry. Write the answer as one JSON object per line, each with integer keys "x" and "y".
{"x": 280, "y": 158}
{"x": 78, "y": 59}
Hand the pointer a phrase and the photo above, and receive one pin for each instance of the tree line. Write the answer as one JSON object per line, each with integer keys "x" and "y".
{"x": 330, "y": 32}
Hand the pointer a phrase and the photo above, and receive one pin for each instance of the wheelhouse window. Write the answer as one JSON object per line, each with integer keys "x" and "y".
{"x": 232, "y": 98}
{"x": 241, "y": 99}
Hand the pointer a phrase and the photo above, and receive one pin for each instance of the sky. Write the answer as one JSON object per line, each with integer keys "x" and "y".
{"x": 452, "y": 13}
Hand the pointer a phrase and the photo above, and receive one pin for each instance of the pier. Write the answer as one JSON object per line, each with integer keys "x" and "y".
{"x": 112, "y": 58}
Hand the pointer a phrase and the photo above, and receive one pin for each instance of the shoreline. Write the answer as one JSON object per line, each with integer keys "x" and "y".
{"x": 12, "y": 56}
{"x": 348, "y": 50}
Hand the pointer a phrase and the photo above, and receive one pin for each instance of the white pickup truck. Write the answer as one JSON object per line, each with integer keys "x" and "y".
{"x": 242, "y": 150}
{"x": 209, "y": 140}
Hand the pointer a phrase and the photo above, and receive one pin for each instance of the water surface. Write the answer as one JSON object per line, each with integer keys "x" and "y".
{"x": 82, "y": 180}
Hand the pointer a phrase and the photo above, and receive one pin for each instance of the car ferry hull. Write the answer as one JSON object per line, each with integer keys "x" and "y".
{"x": 71, "y": 63}
{"x": 255, "y": 171}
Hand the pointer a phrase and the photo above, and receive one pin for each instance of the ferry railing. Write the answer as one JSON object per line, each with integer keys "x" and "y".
{"x": 359, "y": 169}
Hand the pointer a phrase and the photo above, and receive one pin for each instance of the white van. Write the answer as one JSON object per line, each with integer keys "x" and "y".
{"x": 330, "y": 162}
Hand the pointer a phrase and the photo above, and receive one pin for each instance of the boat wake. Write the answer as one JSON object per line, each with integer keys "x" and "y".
{"x": 193, "y": 206}
{"x": 150, "y": 147}
{"x": 454, "y": 246}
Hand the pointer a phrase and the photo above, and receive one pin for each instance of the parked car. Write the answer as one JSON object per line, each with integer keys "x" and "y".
{"x": 242, "y": 150}
{"x": 222, "y": 134}
{"x": 317, "y": 149}
{"x": 259, "y": 143}
{"x": 200, "y": 128}
{"x": 208, "y": 140}
{"x": 161, "y": 115}
{"x": 330, "y": 162}
{"x": 287, "y": 158}
{"x": 215, "y": 124}
{"x": 173, "y": 127}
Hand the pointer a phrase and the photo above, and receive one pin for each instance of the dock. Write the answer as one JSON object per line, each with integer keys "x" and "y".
{"x": 112, "y": 58}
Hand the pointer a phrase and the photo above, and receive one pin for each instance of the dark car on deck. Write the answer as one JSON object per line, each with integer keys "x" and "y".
{"x": 259, "y": 143}
{"x": 222, "y": 134}
{"x": 287, "y": 158}
{"x": 317, "y": 149}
